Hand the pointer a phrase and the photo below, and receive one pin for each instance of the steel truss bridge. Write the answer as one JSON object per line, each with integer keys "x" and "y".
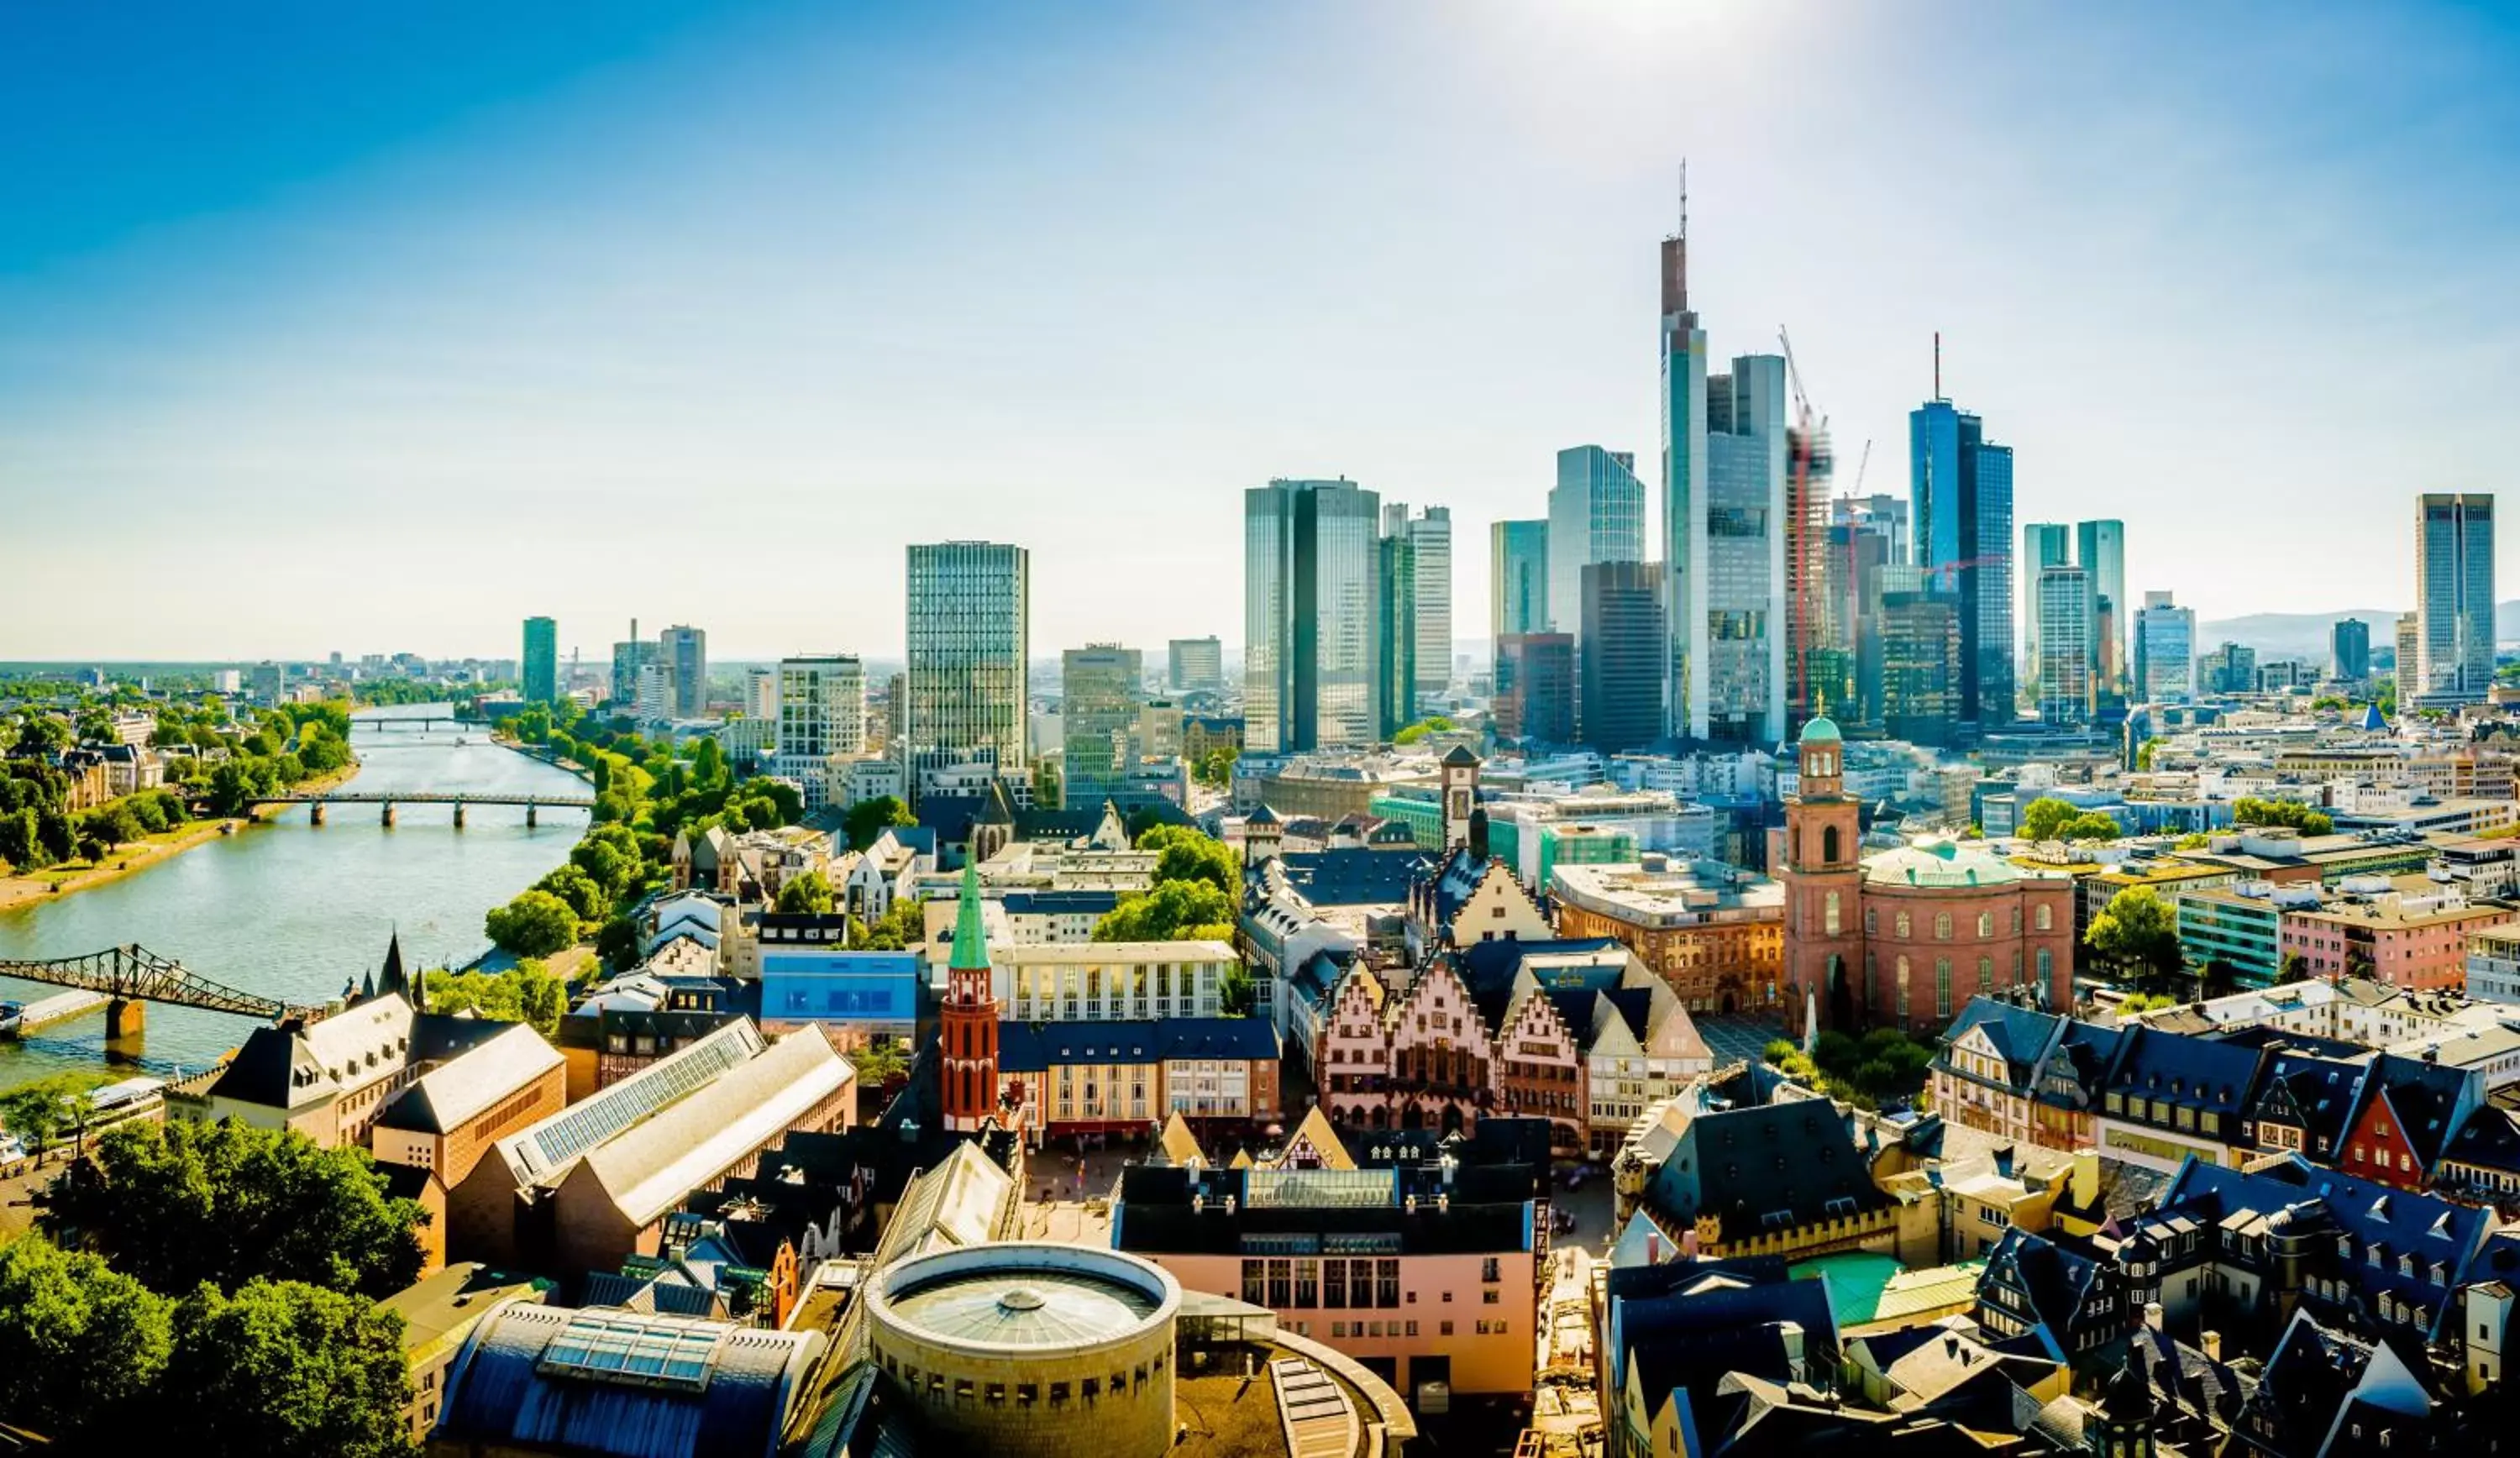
{"x": 132, "y": 976}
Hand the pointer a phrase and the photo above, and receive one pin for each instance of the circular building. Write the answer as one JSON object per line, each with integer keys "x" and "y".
{"x": 1032, "y": 1350}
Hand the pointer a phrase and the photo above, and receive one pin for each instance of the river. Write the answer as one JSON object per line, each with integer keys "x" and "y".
{"x": 291, "y": 909}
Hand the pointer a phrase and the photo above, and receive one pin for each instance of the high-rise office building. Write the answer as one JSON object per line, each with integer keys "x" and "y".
{"x": 1430, "y": 552}
{"x": 1311, "y": 605}
{"x": 1921, "y": 661}
{"x": 684, "y": 651}
{"x": 1961, "y": 484}
{"x": 629, "y": 656}
{"x": 2408, "y": 673}
{"x": 2100, "y": 548}
{"x": 1101, "y": 688}
{"x": 2062, "y": 599}
{"x": 1535, "y": 687}
{"x": 2349, "y": 649}
{"x": 968, "y": 631}
{"x": 2043, "y": 544}
{"x": 2164, "y": 651}
{"x": 1818, "y": 648}
{"x": 541, "y": 661}
{"x": 1725, "y": 506}
{"x": 1518, "y": 579}
{"x": 1596, "y": 513}
{"x": 1621, "y": 656}
{"x": 654, "y": 699}
{"x": 2453, "y": 598}
{"x": 1395, "y": 624}
{"x": 1195, "y": 665}
{"x": 820, "y": 703}
{"x": 1868, "y": 541}
{"x": 2232, "y": 668}
{"x": 761, "y": 692}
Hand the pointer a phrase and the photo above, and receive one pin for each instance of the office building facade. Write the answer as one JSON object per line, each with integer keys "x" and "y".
{"x": 684, "y": 651}
{"x": 2165, "y": 651}
{"x": 1195, "y": 665}
{"x": 1535, "y": 687}
{"x": 1962, "y": 485}
{"x": 1395, "y": 618}
{"x": 968, "y": 635}
{"x": 2100, "y": 548}
{"x": 541, "y": 661}
{"x": 2043, "y": 544}
{"x": 2063, "y": 613}
{"x": 1312, "y": 599}
{"x": 1430, "y": 553}
{"x": 1920, "y": 665}
{"x": 1621, "y": 656}
{"x": 2453, "y": 598}
{"x": 1596, "y": 513}
{"x": 1101, "y": 688}
{"x": 629, "y": 656}
{"x": 2349, "y": 649}
{"x": 1518, "y": 586}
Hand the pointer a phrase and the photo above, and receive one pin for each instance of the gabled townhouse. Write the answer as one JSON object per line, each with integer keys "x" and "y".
{"x": 1788, "y": 1178}
{"x": 1641, "y": 1049}
{"x": 2322, "y": 1393}
{"x": 2072, "y": 1084}
{"x": 1539, "y": 1072}
{"x": 2482, "y": 1161}
{"x": 1466, "y": 900}
{"x": 1986, "y": 1074}
{"x": 2306, "y": 1103}
{"x": 1673, "y": 1332}
{"x": 2034, "y": 1282}
{"x": 2170, "y": 1096}
{"x": 2408, "y": 1113}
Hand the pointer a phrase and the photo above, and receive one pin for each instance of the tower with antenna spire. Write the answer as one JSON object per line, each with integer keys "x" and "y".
{"x": 968, "y": 1032}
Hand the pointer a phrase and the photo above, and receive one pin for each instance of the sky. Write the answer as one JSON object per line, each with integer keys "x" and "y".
{"x": 379, "y": 327}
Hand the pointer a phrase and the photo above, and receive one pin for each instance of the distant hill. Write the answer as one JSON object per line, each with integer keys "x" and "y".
{"x": 2304, "y": 634}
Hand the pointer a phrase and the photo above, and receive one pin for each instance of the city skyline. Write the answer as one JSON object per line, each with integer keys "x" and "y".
{"x": 529, "y": 298}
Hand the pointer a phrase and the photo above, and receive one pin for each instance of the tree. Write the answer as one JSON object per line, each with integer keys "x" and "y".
{"x": 2145, "y": 752}
{"x": 82, "y": 1347}
{"x": 809, "y": 894}
{"x": 1172, "y": 911}
{"x": 2194, "y": 840}
{"x": 618, "y": 944}
{"x": 867, "y": 819}
{"x": 2248, "y": 810}
{"x": 2136, "y": 935}
{"x": 1189, "y": 855}
{"x": 1434, "y": 723}
{"x": 2049, "y": 819}
{"x": 290, "y": 1370}
{"x": 37, "y": 1111}
{"x": 175, "y": 1205}
{"x": 574, "y": 886}
{"x": 879, "y": 1063}
{"x": 536, "y": 923}
{"x": 2294, "y": 968}
{"x": 903, "y": 926}
{"x": 1217, "y": 769}
{"x": 526, "y": 993}
{"x": 1237, "y": 993}
{"x": 19, "y": 846}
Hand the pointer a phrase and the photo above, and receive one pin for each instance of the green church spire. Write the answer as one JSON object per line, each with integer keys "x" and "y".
{"x": 971, "y": 944}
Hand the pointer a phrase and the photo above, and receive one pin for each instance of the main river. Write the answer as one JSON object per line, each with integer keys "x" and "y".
{"x": 291, "y": 909}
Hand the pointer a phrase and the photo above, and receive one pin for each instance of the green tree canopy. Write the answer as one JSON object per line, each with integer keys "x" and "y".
{"x": 902, "y": 927}
{"x": 536, "y": 923}
{"x": 867, "y": 819}
{"x": 2136, "y": 936}
{"x": 2248, "y": 810}
{"x": 2052, "y": 818}
{"x": 1175, "y": 911}
{"x": 82, "y": 1347}
{"x": 282, "y": 1369}
{"x": 809, "y": 894}
{"x": 1185, "y": 855}
{"x": 39, "y": 1111}
{"x": 526, "y": 993}
{"x": 175, "y": 1205}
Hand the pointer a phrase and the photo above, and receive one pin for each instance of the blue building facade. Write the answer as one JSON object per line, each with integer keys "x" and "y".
{"x": 1962, "y": 488}
{"x": 875, "y": 990}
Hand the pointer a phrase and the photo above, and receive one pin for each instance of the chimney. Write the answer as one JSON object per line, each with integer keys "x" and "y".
{"x": 2211, "y": 1344}
{"x": 2153, "y": 1317}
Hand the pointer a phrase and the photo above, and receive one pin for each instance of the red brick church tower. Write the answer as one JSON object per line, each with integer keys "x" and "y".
{"x": 1822, "y": 871}
{"x": 969, "y": 1029}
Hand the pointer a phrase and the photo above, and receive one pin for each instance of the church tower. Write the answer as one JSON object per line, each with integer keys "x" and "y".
{"x": 1822, "y": 871}
{"x": 1461, "y": 787}
{"x": 969, "y": 1029}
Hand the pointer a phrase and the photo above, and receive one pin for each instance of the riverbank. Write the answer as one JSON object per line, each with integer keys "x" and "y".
{"x": 134, "y": 856}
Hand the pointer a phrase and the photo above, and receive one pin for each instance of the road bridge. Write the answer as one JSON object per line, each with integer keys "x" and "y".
{"x": 386, "y": 800}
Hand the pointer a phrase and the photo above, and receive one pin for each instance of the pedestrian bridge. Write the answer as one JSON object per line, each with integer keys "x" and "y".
{"x": 132, "y": 976}
{"x": 388, "y": 800}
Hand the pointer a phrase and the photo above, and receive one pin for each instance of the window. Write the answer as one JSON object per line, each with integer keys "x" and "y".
{"x": 1254, "y": 1288}
{"x": 1281, "y": 1290}
{"x": 2045, "y": 919}
{"x": 1942, "y": 987}
{"x": 1902, "y": 926}
{"x": 1942, "y": 926}
{"x": 1902, "y": 988}
{"x": 1488, "y": 1269}
{"x": 1308, "y": 1283}
{"x": 1490, "y": 1298}
{"x": 1334, "y": 1284}
{"x": 1444, "y": 1329}
{"x": 1387, "y": 1282}
{"x": 1831, "y": 915}
{"x": 2047, "y": 964}
{"x": 1985, "y": 975}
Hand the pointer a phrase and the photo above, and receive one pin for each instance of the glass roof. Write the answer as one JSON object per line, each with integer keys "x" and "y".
{"x": 627, "y": 1347}
{"x": 1021, "y": 1307}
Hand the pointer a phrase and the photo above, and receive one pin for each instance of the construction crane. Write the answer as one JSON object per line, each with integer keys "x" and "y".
{"x": 1807, "y": 464}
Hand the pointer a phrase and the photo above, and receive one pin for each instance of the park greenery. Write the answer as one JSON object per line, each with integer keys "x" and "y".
{"x": 1216, "y": 769}
{"x": 868, "y": 820}
{"x": 808, "y": 895}
{"x": 2052, "y": 818}
{"x": 1434, "y": 723}
{"x": 1884, "y": 1065}
{"x": 1197, "y": 881}
{"x": 526, "y": 993}
{"x": 2135, "y": 939}
{"x": 41, "y": 1112}
{"x": 2249, "y": 810}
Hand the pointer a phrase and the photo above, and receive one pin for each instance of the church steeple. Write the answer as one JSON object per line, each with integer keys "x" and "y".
{"x": 970, "y": 938}
{"x": 392, "y": 979}
{"x": 968, "y": 1027}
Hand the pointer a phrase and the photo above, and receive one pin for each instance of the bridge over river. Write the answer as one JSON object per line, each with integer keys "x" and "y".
{"x": 388, "y": 800}
{"x": 130, "y": 977}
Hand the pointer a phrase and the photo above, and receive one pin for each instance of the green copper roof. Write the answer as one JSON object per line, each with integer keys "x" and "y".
{"x": 971, "y": 944}
{"x": 1822, "y": 730}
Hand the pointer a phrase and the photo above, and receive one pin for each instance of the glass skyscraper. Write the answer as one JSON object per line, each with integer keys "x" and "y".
{"x": 2043, "y": 544}
{"x": 541, "y": 664}
{"x": 2099, "y": 548}
{"x": 1518, "y": 579}
{"x": 1311, "y": 612}
{"x": 2349, "y": 645}
{"x": 2062, "y": 609}
{"x": 1100, "y": 690}
{"x": 968, "y": 631}
{"x": 1961, "y": 484}
{"x": 2165, "y": 651}
{"x": 1430, "y": 553}
{"x": 1621, "y": 668}
{"x": 2453, "y": 598}
{"x": 684, "y": 651}
{"x": 1596, "y": 513}
{"x": 1395, "y": 631}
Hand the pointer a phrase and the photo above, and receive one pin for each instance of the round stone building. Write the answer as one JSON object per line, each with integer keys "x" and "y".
{"x": 1032, "y": 1350}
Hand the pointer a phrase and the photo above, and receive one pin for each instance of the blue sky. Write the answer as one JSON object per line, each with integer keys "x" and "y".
{"x": 371, "y": 327}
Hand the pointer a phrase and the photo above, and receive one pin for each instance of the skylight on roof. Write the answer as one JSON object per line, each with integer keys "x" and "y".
{"x": 619, "y": 1346}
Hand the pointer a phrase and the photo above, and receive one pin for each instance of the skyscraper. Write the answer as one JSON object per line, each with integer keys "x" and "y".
{"x": 684, "y": 651}
{"x": 1100, "y": 687}
{"x": 1724, "y": 506}
{"x": 2408, "y": 673}
{"x": 541, "y": 662}
{"x": 1868, "y": 541}
{"x": 2349, "y": 649}
{"x": 1921, "y": 661}
{"x": 1596, "y": 513}
{"x": 821, "y": 704}
{"x": 1311, "y": 585}
{"x": 1430, "y": 550}
{"x": 1535, "y": 687}
{"x": 2453, "y": 598}
{"x": 1961, "y": 484}
{"x": 1621, "y": 656}
{"x": 2063, "y": 612}
{"x": 761, "y": 692}
{"x": 2100, "y": 548}
{"x": 2043, "y": 544}
{"x": 1518, "y": 579}
{"x": 1395, "y": 625}
{"x": 1195, "y": 665}
{"x": 968, "y": 631}
{"x": 2164, "y": 651}
{"x": 1818, "y": 648}
{"x": 629, "y": 656}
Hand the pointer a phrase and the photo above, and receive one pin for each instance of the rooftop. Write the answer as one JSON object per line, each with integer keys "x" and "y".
{"x": 1004, "y": 1298}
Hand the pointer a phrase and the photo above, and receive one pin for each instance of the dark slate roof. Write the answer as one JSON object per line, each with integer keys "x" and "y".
{"x": 1034, "y": 1047}
{"x": 2020, "y": 1035}
{"x": 918, "y": 840}
{"x": 1352, "y": 877}
{"x": 1264, "y": 815}
{"x": 2195, "y": 1073}
{"x": 1056, "y": 824}
{"x": 1154, "y": 1217}
{"x": 1059, "y": 902}
{"x": 949, "y": 818}
{"x": 497, "y": 1399}
{"x": 1494, "y": 963}
{"x": 2086, "y": 1051}
{"x": 2308, "y": 1092}
{"x": 1688, "y": 1331}
{"x": 2058, "y": 1282}
{"x": 2490, "y": 1139}
{"x": 1787, "y": 1164}
{"x": 1459, "y": 755}
{"x": 2425, "y": 1097}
